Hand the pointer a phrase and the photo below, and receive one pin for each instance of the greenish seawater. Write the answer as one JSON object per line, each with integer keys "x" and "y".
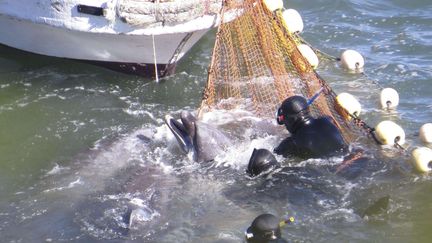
{"x": 72, "y": 167}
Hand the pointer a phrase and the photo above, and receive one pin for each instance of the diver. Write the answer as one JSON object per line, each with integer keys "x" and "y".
{"x": 310, "y": 137}
{"x": 266, "y": 228}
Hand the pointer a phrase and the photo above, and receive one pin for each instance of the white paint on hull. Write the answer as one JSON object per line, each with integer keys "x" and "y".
{"x": 59, "y": 42}
{"x": 56, "y": 28}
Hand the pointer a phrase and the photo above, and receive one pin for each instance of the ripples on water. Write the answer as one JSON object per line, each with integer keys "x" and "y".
{"x": 73, "y": 169}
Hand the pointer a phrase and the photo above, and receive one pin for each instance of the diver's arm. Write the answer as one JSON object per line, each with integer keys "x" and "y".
{"x": 286, "y": 147}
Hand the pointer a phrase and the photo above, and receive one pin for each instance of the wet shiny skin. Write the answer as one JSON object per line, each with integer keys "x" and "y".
{"x": 71, "y": 162}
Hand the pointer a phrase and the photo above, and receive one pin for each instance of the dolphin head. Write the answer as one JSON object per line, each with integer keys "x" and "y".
{"x": 184, "y": 132}
{"x": 189, "y": 123}
{"x": 199, "y": 140}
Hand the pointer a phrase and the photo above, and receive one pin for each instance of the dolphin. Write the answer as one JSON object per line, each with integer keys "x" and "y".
{"x": 200, "y": 141}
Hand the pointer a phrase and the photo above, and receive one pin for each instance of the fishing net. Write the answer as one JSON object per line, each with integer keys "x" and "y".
{"x": 256, "y": 64}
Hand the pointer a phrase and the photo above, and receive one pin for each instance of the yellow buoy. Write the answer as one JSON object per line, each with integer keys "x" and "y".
{"x": 390, "y": 133}
{"x": 352, "y": 60}
{"x": 389, "y": 98}
{"x": 349, "y": 103}
{"x": 426, "y": 133}
{"x": 309, "y": 54}
{"x": 273, "y": 5}
{"x": 293, "y": 20}
{"x": 422, "y": 159}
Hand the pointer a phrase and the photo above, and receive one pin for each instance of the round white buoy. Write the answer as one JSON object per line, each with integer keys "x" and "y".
{"x": 293, "y": 20}
{"x": 389, "y": 98}
{"x": 309, "y": 54}
{"x": 422, "y": 159}
{"x": 273, "y": 5}
{"x": 426, "y": 133}
{"x": 390, "y": 133}
{"x": 352, "y": 60}
{"x": 349, "y": 103}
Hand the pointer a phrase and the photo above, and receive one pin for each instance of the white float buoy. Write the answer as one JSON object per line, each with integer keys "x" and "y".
{"x": 273, "y": 5}
{"x": 422, "y": 159}
{"x": 390, "y": 133}
{"x": 426, "y": 133}
{"x": 389, "y": 98}
{"x": 293, "y": 20}
{"x": 352, "y": 60}
{"x": 309, "y": 54}
{"x": 349, "y": 103}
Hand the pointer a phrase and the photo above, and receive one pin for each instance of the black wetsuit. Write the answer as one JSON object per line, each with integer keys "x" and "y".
{"x": 313, "y": 138}
{"x": 310, "y": 137}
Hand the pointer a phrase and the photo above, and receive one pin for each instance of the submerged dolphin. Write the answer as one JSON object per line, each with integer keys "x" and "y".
{"x": 201, "y": 141}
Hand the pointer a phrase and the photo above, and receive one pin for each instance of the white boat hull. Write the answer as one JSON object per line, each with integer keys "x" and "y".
{"x": 125, "y": 50}
{"x": 59, "y": 29}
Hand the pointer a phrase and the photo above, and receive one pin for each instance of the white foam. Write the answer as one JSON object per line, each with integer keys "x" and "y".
{"x": 162, "y": 133}
{"x": 141, "y": 215}
{"x": 238, "y": 155}
{"x": 252, "y": 135}
{"x": 137, "y": 202}
{"x": 69, "y": 186}
{"x": 319, "y": 161}
{"x": 341, "y": 213}
{"x": 56, "y": 170}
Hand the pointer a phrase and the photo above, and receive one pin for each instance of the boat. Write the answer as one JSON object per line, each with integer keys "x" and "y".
{"x": 142, "y": 37}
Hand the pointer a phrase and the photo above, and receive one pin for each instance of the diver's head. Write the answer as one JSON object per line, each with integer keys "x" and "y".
{"x": 260, "y": 161}
{"x": 265, "y": 228}
{"x": 293, "y": 111}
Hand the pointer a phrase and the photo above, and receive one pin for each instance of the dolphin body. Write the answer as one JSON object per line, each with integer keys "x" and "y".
{"x": 200, "y": 141}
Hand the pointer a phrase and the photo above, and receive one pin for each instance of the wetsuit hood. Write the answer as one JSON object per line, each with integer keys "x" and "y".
{"x": 261, "y": 160}
{"x": 294, "y": 112}
{"x": 265, "y": 228}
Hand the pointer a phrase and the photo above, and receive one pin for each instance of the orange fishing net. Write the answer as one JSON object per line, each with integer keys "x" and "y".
{"x": 256, "y": 65}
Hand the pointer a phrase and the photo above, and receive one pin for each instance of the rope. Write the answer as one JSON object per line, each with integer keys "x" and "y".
{"x": 349, "y": 161}
{"x": 357, "y": 120}
{"x": 371, "y": 131}
{"x": 155, "y": 60}
{"x": 397, "y": 145}
{"x": 372, "y": 80}
{"x": 328, "y": 56}
{"x": 154, "y": 51}
{"x": 337, "y": 59}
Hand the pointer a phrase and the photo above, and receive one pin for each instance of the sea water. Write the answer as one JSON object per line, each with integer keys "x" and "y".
{"x": 72, "y": 167}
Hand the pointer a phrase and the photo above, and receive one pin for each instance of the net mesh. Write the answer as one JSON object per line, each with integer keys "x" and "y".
{"x": 256, "y": 65}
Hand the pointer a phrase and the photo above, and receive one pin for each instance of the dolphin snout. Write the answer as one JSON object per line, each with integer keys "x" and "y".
{"x": 180, "y": 133}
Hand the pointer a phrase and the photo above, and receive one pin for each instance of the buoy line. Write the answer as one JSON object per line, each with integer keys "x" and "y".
{"x": 337, "y": 59}
{"x": 354, "y": 61}
{"x": 386, "y": 132}
{"x": 326, "y": 55}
